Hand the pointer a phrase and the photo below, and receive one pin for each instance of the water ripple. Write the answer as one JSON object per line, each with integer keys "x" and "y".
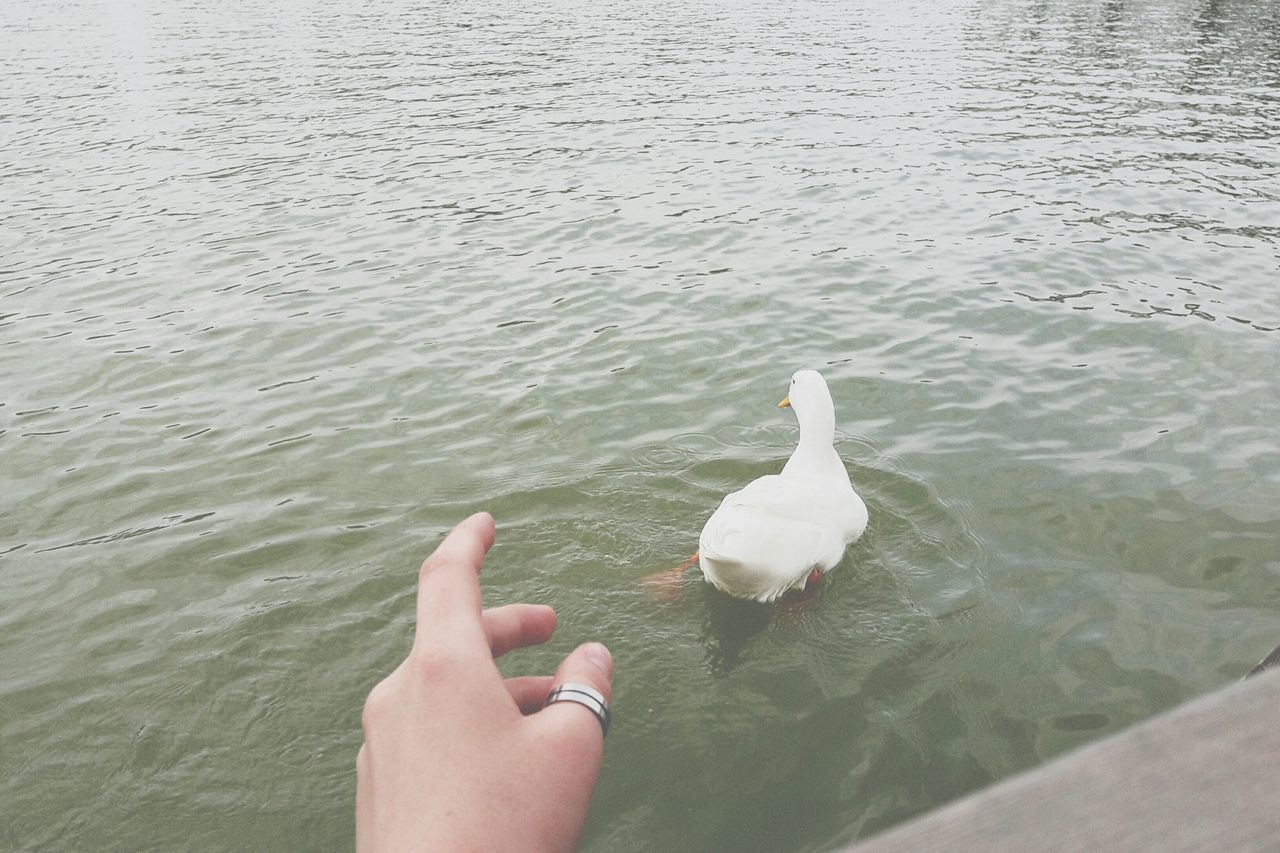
{"x": 287, "y": 290}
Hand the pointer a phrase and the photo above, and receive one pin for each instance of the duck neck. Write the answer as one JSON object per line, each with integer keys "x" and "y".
{"x": 815, "y": 450}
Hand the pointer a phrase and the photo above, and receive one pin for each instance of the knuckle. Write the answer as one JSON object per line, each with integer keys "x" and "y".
{"x": 377, "y": 706}
{"x": 429, "y": 666}
{"x": 431, "y": 564}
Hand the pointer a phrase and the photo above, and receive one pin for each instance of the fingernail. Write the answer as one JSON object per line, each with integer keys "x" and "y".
{"x": 599, "y": 655}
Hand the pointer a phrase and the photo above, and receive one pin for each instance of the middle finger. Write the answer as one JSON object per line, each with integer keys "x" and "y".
{"x": 514, "y": 626}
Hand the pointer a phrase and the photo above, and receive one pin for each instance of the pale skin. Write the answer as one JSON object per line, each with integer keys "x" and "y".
{"x": 458, "y": 758}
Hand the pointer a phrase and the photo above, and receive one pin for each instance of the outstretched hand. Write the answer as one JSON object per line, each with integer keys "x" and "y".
{"x": 456, "y": 757}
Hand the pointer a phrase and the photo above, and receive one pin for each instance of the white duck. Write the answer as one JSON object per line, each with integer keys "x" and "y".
{"x": 783, "y": 529}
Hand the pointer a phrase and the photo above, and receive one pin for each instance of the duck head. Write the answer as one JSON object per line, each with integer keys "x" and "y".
{"x": 810, "y": 398}
{"x": 808, "y": 393}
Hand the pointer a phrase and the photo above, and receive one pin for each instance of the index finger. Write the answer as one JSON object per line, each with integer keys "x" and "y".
{"x": 449, "y": 600}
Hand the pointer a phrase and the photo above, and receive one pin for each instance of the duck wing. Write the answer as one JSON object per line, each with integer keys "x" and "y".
{"x": 766, "y": 538}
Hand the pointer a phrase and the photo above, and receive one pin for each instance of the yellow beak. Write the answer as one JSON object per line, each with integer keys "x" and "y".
{"x": 786, "y": 403}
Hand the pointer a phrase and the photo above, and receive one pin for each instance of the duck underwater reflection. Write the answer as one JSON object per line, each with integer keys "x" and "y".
{"x": 732, "y": 623}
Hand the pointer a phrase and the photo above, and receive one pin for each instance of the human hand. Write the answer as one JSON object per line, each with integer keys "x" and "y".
{"x": 457, "y": 758}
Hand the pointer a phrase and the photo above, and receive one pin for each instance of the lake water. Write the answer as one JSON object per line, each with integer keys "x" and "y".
{"x": 287, "y": 289}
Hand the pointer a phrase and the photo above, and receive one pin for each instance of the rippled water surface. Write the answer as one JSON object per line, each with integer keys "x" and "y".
{"x": 286, "y": 289}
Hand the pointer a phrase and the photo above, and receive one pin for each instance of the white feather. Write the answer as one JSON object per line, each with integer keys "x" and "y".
{"x": 766, "y": 538}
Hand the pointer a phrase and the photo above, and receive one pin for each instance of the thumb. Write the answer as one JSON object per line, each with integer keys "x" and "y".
{"x": 589, "y": 665}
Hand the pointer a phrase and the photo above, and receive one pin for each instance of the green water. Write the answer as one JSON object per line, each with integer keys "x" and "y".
{"x": 288, "y": 289}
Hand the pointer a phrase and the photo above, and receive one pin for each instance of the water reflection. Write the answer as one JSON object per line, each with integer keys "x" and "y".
{"x": 731, "y": 624}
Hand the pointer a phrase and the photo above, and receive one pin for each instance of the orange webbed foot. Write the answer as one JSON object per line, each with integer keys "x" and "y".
{"x": 669, "y": 584}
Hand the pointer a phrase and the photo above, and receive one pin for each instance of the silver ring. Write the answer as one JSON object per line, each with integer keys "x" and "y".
{"x": 586, "y": 696}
